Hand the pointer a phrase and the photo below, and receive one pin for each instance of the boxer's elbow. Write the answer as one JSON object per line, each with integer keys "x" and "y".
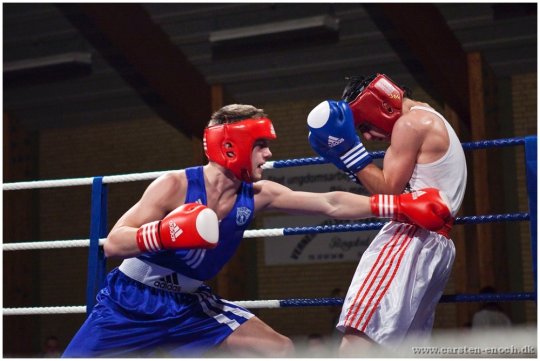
{"x": 109, "y": 248}
{"x": 117, "y": 245}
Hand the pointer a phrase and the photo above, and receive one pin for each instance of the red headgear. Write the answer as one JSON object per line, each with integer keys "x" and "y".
{"x": 378, "y": 104}
{"x": 230, "y": 145}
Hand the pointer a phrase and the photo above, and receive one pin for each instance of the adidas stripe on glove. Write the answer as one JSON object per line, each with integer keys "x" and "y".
{"x": 427, "y": 208}
{"x": 191, "y": 225}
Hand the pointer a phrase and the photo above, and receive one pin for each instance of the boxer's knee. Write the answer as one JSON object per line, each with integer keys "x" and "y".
{"x": 284, "y": 347}
{"x": 255, "y": 338}
{"x": 355, "y": 343}
{"x": 276, "y": 345}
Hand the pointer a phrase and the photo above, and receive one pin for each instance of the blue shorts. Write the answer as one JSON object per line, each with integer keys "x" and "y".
{"x": 131, "y": 319}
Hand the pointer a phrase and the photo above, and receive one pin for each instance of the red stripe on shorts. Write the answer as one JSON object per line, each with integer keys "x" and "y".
{"x": 356, "y": 305}
{"x": 401, "y": 251}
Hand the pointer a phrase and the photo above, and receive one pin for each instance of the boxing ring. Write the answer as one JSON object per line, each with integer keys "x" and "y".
{"x": 98, "y": 231}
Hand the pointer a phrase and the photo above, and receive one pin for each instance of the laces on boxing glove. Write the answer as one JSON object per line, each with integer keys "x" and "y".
{"x": 353, "y": 177}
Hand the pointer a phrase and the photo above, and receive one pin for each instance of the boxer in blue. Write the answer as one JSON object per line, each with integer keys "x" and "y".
{"x": 186, "y": 227}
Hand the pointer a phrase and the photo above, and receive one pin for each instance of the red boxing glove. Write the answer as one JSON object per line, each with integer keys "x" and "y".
{"x": 191, "y": 225}
{"x": 427, "y": 208}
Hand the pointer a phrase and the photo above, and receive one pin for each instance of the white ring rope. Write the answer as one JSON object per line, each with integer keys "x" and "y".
{"x": 43, "y": 310}
{"x": 25, "y": 246}
{"x": 81, "y": 181}
{"x": 54, "y": 310}
{"x": 74, "y": 243}
{"x": 258, "y": 304}
{"x": 269, "y": 232}
{"x": 268, "y": 165}
{"x": 70, "y": 182}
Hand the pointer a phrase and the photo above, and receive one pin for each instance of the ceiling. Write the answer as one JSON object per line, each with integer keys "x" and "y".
{"x": 74, "y": 64}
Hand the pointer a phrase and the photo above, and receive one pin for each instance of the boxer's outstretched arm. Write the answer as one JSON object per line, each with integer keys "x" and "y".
{"x": 339, "y": 205}
{"x": 427, "y": 208}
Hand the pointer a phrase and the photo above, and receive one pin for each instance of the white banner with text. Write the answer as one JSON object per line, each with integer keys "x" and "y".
{"x": 317, "y": 247}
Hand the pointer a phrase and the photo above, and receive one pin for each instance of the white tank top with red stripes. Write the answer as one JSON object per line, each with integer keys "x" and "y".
{"x": 449, "y": 173}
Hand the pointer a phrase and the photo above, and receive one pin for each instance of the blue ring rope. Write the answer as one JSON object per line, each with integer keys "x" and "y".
{"x": 482, "y": 144}
{"x": 494, "y": 297}
{"x": 368, "y": 226}
{"x": 489, "y": 297}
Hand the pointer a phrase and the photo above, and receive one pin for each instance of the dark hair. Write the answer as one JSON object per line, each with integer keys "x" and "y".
{"x": 236, "y": 112}
{"x": 357, "y": 84}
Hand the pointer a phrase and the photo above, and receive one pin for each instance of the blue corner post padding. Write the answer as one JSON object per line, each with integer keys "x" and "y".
{"x": 98, "y": 229}
{"x": 531, "y": 156}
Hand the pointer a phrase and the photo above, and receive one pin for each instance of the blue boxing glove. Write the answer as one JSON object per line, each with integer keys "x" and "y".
{"x": 333, "y": 136}
{"x": 331, "y": 157}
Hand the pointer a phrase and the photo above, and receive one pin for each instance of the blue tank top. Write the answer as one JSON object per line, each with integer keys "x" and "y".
{"x": 203, "y": 264}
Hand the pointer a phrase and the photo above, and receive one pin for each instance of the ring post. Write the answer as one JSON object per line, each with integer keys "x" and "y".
{"x": 531, "y": 156}
{"x": 98, "y": 229}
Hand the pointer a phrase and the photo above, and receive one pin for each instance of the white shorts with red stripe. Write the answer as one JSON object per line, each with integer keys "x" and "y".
{"x": 397, "y": 284}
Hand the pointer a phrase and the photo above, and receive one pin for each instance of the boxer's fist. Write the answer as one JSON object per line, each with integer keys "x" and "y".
{"x": 314, "y": 141}
{"x": 427, "y": 208}
{"x": 191, "y": 225}
{"x": 333, "y": 136}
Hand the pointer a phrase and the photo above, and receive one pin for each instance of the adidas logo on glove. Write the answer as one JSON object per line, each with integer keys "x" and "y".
{"x": 333, "y": 141}
{"x": 174, "y": 230}
{"x": 417, "y": 194}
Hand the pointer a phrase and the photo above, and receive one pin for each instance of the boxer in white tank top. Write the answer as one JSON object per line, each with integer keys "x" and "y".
{"x": 402, "y": 274}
